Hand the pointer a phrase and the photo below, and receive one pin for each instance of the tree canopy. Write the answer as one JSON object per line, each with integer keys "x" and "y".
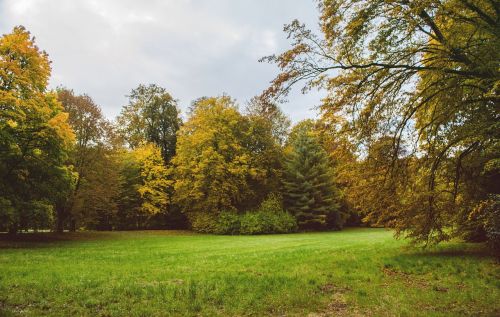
{"x": 35, "y": 137}
{"x": 151, "y": 116}
{"x": 424, "y": 73}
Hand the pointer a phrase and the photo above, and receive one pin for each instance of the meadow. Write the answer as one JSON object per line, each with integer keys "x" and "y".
{"x": 359, "y": 272}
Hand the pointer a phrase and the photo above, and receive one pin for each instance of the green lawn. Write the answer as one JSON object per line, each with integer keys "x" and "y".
{"x": 162, "y": 273}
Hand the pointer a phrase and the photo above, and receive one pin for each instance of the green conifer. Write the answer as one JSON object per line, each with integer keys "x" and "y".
{"x": 309, "y": 189}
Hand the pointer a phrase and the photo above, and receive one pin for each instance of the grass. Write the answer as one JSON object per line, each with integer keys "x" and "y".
{"x": 164, "y": 273}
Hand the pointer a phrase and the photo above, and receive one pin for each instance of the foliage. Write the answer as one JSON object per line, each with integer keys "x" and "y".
{"x": 213, "y": 164}
{"x": 146, "y": 186}
{"x": 151, "y": 116}
{"x": 260, "y": 222}
{"x": 374, "y": 194}
{"x": 35, "y": 137}
{"x": 155, "y": 184}
{"x": 309, "y": 190}
{"x": 424, "y": 73}
{"x": 270, "y": 112}
{"x": 97, "y": 184}
{"x": 39, "y": 215}
{"x": 266, "y": 156}
{"x": 228, "y": 223}
{"x": 97, "y": 200}
{"x": 487, "y": 212}
{"x": 204, "y": 222}
{"x": 268, "y": 218}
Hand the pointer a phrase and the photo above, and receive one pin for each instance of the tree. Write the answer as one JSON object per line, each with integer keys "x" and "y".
{"x": 213, "y": 164}
{"x": 269, "y": 112}
{"x": 146, "y": 186}
{"x": 374, "y": 194}
{"x": 268, "y": 128}
{"x": 309, "y": 191}
{"x": 422, "y": 72}
{"x": 89, "y": 156}
{"x": 95, "y": 204}
{"x": 151, "y": 116}
{"x": 35, "y": 137}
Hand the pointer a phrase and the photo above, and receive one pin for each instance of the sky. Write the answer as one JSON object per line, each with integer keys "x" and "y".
{"x": 193, "y": 48}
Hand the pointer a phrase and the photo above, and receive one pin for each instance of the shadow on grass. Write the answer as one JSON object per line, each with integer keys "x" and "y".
{"x": 471, "y": 250}
{"x": 29, "y": 240}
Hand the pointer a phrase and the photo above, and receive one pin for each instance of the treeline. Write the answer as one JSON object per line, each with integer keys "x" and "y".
{"x": 65, "y": 166}
{"x": 407, "y": 138}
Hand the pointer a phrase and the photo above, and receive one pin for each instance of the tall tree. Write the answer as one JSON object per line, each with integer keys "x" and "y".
{"x": 35, "y": 137}
{"x": 268, "y": 130}
{"x": 270, "y": 112}
{"x": 146, "y": 186}
{"x": 151, "y": 116}
{"x": 213, "y": 164}
{"x": 424, "y": 72}
{"x": 95, "y": 204}
{"x": 93, "y": 133}
{"x": 309, "y": 191}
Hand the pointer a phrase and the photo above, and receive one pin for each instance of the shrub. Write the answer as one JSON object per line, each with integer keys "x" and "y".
{"x": 251, "y": 223}
{"x": 203, "y": 222}
{"x": 228, "y": 223}
{"x": 284, "y": 223}
{"x": 269, "y": 218}
{"x": 260, "y": 222}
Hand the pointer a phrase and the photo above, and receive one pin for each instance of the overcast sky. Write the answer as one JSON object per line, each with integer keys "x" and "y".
{"x": 193, "y": 48}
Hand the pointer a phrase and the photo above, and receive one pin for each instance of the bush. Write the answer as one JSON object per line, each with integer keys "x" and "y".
{"x": 284, "y": 223}
{"x": 260, "y": 222}
{"x": 228, "y": 223}
{"x": 203, "y": 222}
{"x": 252, "y": 224}
{"x": 269, "y": 218}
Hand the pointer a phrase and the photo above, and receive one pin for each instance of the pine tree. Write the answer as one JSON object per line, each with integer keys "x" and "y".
{"x": 309, "y": 191}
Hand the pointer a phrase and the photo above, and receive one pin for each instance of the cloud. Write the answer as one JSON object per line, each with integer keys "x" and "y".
{"x": 192, "y": 48}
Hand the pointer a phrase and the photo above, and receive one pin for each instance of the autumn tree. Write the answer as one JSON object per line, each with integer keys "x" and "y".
{"x": 424, "y": 73}
{"x": 96, "y": 202}
{"x": 374, "y": 194}
{"x": 268, "y": 129}
{"x": 213, "y": 164}
{"x": 89, "y": 157}
{"x": 272, "y": 115}
{"x": 35, "y": 137}
{"x": 309, "y": 190}
{"x": 151, "y": 116}
{"x": 145, "y": 188}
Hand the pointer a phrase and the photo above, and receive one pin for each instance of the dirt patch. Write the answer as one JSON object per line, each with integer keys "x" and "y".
{"x": 332, "y": 288}
{"x": 408, "y": 279}
{"x": 337, "y": 306}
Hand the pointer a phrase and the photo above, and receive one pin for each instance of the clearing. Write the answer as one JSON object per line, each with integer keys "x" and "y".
{"x": 165, "y": 273}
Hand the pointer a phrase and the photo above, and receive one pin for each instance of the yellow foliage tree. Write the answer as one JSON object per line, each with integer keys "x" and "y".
{"x": 213, "y": 164}
{"x": 34, "y": 136}
{"x": 155, "y": 184}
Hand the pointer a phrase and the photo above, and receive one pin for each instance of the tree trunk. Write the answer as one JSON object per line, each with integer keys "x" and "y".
{"x": 60, "y": 220}
{"x": 73, "y": 225}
